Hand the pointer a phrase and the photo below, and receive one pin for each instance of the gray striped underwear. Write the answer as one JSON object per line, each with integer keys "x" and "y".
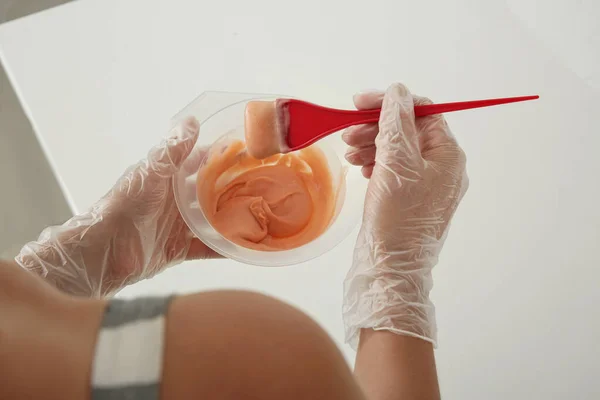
{"x": 129, "y": 351}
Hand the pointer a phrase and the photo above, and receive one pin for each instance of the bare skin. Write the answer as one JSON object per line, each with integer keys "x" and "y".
{"x": 46, "y": 338}
{"x": 262, "y": 349}
{"x": 218, "y": 344}
{"x": 225, "y": 345}
{"x": 390, "y": 366}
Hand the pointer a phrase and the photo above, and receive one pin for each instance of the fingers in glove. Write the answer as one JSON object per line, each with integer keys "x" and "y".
{"x": 398, "y": 139}
{"x": 162, "y": 162}
{"x": 166, "y": 158}
{"x": 361, "y": 138}
{"x": 434, "y": 132}
{"x": 368, "y": 100}
{"x": 364, "y": 135}
{"x": 199, "y": 251}
{"x": 367, "y": 170}
{"x": 361, "y": 155}
{"x": 196, "y": 159}
{"x": 361, "y": 135}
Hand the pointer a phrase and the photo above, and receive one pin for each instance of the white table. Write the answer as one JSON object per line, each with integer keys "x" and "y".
{"x": 517, "y": 285}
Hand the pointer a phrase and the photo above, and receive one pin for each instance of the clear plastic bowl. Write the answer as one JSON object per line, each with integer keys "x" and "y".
{"x": 221, "y": 115}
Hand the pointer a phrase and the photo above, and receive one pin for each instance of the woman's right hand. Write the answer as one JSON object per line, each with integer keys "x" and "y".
{"x": 132, "y": 233}
{"x": 417, "y": 179}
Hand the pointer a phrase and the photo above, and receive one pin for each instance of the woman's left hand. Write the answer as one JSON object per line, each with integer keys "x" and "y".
{"x": 132, "y": 233}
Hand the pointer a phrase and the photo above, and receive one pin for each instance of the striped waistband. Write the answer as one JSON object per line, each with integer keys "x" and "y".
{"x": 129, "y": 350}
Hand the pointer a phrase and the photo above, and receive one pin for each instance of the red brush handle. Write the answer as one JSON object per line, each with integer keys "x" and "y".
{"x": 430, "y": 109}
{"x": 311, "y": 122}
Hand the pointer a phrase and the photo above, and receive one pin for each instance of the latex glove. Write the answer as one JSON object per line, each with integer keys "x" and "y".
{"x": 132, "y": 233}
{"x": 417, "y": 178}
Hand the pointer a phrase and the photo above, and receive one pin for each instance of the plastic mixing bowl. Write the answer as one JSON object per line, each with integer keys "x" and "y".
{"x": 221, "y": 116}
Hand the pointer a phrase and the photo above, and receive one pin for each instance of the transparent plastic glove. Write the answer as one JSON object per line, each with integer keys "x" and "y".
{"x": 417, "y": 178}
{"x": 132, "y": 233}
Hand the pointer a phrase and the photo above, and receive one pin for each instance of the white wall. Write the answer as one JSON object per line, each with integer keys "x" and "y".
{"x": 517, "y": 285}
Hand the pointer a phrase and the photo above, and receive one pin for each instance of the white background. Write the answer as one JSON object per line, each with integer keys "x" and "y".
{"x": 517, "y": 285}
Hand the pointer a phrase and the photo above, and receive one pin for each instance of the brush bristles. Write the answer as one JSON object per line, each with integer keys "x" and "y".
{"x": 262, "y": 129}
{"x": 282, "y": 124}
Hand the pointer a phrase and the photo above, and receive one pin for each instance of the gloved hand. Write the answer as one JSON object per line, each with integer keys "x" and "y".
{"x": 417, "y": 178}
{"x": 132, "y": 233}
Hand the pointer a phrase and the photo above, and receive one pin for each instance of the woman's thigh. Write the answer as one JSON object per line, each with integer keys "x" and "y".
{"x": 218, "y": 345}
{"x": 236, "y": 345}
